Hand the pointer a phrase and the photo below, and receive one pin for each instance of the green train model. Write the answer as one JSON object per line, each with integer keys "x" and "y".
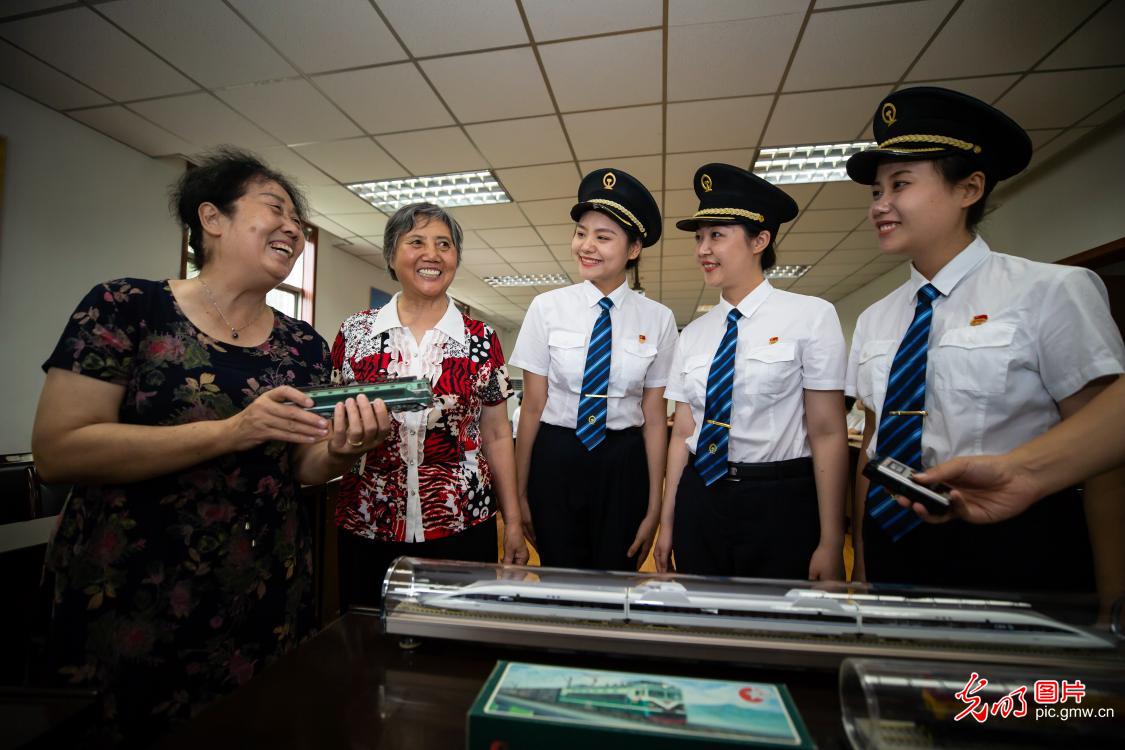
{"x": 402, "y": 394}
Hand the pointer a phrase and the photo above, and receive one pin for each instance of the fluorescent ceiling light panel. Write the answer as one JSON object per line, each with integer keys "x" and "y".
{"x": 536, "y": 279}
{"x": 789, "y": 165}
{"x": 446, "y": 190}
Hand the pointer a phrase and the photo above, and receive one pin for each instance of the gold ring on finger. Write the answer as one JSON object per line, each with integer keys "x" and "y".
{"x": 355, "y": 445}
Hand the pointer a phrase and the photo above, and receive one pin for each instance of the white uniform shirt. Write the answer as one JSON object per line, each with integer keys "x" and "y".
{"x": 1009, "y": 338}
{"x": 787, "y": 343}
{"x": 556, "y": 334}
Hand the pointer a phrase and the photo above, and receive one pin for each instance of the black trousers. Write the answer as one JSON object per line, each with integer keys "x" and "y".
{"x": 364, "y": 562}
{"x": 759, "y": 528}
{"x": 587, "y": 505}
{"x": 1045, "y": 548}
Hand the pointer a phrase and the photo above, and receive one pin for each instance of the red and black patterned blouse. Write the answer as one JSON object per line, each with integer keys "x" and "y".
{"x": 430, "y": 459}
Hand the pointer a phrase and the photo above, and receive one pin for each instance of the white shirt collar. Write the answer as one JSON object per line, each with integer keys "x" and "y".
{"x": 749, "y": 303}
{"x": 955, "y": 270}
{"x": 594, "y": 295}
{"x": 451, "y": 323}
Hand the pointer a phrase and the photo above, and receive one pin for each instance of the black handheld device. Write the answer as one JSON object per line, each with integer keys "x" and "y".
{"x": 898, "y": 479}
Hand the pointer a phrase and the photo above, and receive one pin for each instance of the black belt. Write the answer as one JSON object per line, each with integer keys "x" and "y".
{"x": 794, "y": 468}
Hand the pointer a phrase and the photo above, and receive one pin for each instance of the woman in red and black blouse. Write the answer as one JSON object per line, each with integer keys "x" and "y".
{"x": 433, "y": 487}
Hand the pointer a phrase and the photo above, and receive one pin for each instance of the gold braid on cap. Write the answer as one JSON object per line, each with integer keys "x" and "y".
{"x": 942, "y": 139}
{"x": 705, "y": 212}
{"x": 622, "y": 209}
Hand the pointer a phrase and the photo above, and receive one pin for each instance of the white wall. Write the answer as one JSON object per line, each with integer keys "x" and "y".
{"x": 78, "y": 209}
{"x": 343, "y": 286}
{"x": 1069, "y": 205}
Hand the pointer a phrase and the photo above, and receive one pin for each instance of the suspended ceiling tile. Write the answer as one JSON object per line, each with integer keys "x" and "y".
{"x": 490, "y": 85}
{"x": 730, "y": 58}
{"x": 550, "y": 211}
{"x": 386, "y": 99}
{"x": 132, "y": 130}
{"x": 979, "y": 40}
{"x": 352, "y": 160}
{"x": 204, "y": 120}
{"x": 203, "y": 38}
{"x": 717, "y": 123}
{"x": 842, "y": 195}
{"x": 836, "y": 47}
{"x": 510, "y": 237}
{"x": 512, "y": 143}
{"x": 536, "y": 183}
{"x": 489, "y": 217}
{"x": 550, "y": 19}
{"x": 1061, "y": 99}
{"x": 85, "y": 46}
{"x": 823, "y": 116}
{"x": 325, "y": 35}
{"x": 437, "y": 27}
{"x": 25, "y": 74}
{"x": 428, "y": 152}
{"x": 632, "y": 131}
{"x": 579, "y": 70}
{"x": 291, "y": 110}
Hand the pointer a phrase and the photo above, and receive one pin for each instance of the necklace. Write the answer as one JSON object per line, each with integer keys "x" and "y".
{"x": 233, "y": 331}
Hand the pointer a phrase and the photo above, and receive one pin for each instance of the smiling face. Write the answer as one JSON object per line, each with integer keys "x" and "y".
{"x": 731, "y": 257}
{"x": 914, "y": 209}
{"x": 261, "y": 230}
{"x": 425, "y": 259}
{"x": 602, "y": 249}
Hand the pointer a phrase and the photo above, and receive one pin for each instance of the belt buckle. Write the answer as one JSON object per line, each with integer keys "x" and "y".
{"x": 732, "y": 474}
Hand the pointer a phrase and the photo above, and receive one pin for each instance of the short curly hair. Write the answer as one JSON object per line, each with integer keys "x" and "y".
{"x": 222, "y": 178}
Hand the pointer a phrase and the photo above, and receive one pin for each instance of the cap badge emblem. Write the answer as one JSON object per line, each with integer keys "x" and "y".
{"x": 889, "y": 114}
{"x": 705, "y": 183}
{"x": 609, "y": 180}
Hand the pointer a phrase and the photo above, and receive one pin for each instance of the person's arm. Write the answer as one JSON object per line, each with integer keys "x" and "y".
{"x": 859, "y": 502}
{"x": 683, "y": 425}
{"x": 496, "y": 446}
{"x": 358, "y": 426}
{"x": 534, "y": 401}
{"x": 654, "y": 433}
{"x": 988, "y": 489}
{"x": 77, "y": 436}
{"x": 828, "y": 440}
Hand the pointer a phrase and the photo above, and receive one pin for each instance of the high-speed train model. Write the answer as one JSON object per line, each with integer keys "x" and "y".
{"x": 796, "y": 611}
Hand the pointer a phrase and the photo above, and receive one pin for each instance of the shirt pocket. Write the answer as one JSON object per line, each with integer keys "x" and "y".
{"x": 694, "y": 372}
{"x": 872, "y": 371}
{"x": 634, "y": 360}
{"x": 974, "y": 358}
{"x": 568, "y": 358}
{"x": 772, "y": 368}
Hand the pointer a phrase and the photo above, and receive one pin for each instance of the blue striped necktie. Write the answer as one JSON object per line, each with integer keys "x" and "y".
{"x": 900, "y": 425}
{"x": 592, "y": 406}
{"x": 714, "y": 435}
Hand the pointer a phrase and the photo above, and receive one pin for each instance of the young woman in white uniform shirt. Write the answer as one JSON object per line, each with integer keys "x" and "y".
{"x": 997, "y": 349}
{"x": 757, "y": 463}
{"x": 595, "y": 356}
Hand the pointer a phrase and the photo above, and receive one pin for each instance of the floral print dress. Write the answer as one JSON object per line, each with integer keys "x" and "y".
{"x": 174, "y": 590}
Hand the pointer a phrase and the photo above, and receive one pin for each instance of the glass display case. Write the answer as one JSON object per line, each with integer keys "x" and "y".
{"x": 736, "y": 620}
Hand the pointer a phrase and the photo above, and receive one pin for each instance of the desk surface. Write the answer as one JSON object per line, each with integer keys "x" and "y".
{"x": 352, "y": 686}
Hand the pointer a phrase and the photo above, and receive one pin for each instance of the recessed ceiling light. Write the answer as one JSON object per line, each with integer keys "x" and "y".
{"x": 536, "y": 279}
{"x": 446, "y": 190}
{"x": 789, "y": 165}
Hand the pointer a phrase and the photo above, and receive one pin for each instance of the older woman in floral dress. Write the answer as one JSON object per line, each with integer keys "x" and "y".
{"x": 183, "y": 557}
{"x": 433, "y": 488}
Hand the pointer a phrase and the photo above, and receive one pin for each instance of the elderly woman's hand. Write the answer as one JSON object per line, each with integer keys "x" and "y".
{"x": 276, "y": 415}
{"x": 358, "y": 426}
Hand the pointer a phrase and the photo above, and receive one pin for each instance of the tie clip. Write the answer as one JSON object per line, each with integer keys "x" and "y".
{"x": 594, "y": 395}
{"x": 909, "y": 413}
{"x": 718, "y": 424}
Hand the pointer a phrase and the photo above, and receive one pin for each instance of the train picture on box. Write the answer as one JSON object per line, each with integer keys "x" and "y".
{"x": 640, "y": 699}
{"x": 796, "y": 611}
